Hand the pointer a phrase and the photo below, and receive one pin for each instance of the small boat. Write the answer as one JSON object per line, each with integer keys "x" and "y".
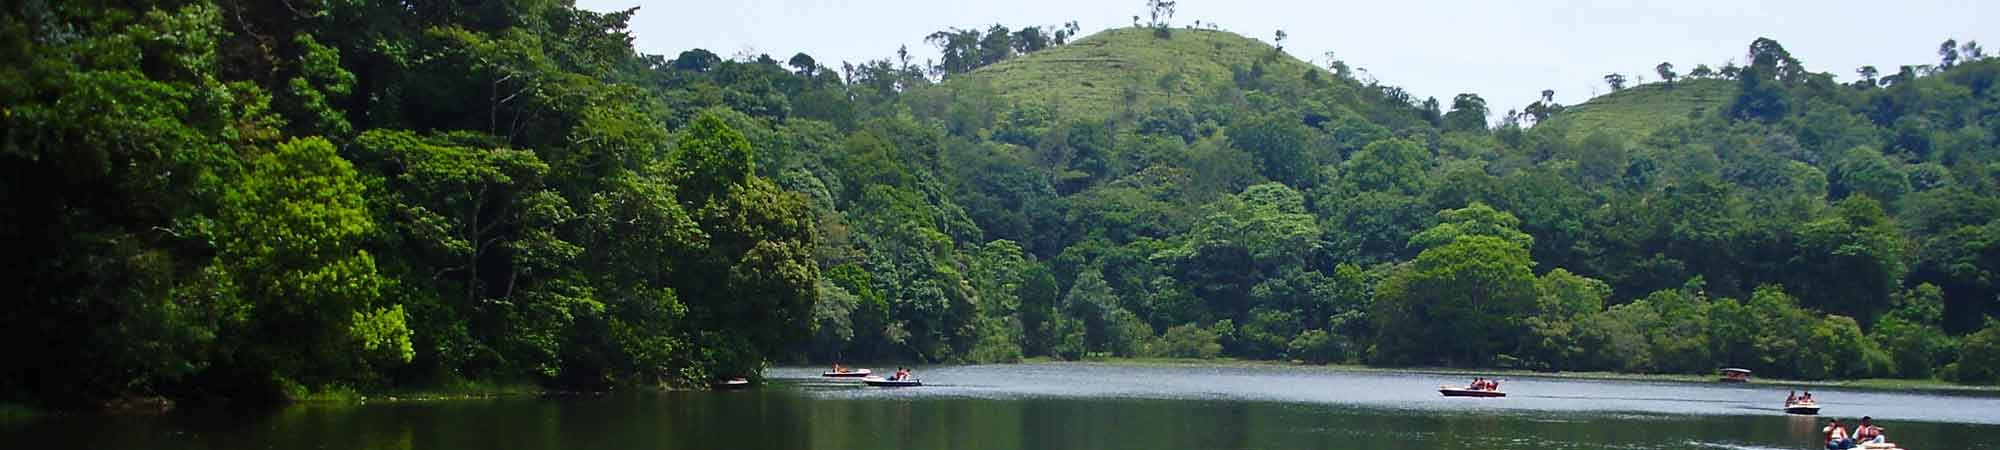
{"x": 1878, "y": 446}
{"x": 844, "y": 373}
{"x": 885, "y": 382}
{"x": 1458, "y": 391}
{"x": 1807, "y": 407}
{"x": 732, "y": 383}
{"x": 1735, "y": 375}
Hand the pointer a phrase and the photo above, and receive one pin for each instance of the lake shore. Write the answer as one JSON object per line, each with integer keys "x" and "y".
{"x": 1875, "y": 384}
{"x": 470, "y": 390}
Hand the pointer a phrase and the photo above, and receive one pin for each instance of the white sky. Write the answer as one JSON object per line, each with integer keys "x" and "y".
{"x": 1506, "y": 53}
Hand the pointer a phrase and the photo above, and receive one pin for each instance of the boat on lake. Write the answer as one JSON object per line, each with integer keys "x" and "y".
{"x": 1735, "y": 375}
{"x": 1802, "y": 407}
{"x": 847, "y": 373}
{"x": 885, "y": 382}
{"x": 1460, "y": 391}
{"x": 732, "y": 383}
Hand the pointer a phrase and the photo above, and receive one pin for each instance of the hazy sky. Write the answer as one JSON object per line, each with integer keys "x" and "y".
{"x": 1505, "y": 52}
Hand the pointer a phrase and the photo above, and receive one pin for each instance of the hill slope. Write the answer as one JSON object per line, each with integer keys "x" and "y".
{"x": 1090, "y": 77}
{"x": 1637, "y": 112}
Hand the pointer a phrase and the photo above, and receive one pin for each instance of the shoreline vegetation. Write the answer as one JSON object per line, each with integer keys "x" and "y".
{"x": 465, "y": 390}
{"x": 488, "y": 390}
{"x": 1877, "y": 384}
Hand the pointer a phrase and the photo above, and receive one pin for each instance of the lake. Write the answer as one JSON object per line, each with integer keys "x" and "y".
{"x": 1067, "y": 406}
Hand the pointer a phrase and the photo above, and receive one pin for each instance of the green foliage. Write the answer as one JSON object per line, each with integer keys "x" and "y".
{"x": 1475, "y": 219}
{"x": 1395, "y": 165}
{"x": 291, "y": 232}
{"x": 1459, "y": 304}
{"x": 1837, "y": 348}
{"x": 361, "y": 196}
{"x": 1854, "y": 256}
{"x": 1979, "y": 356}
{"x": 1911, "y": 334}
{"x": 1468, "y": 113}
{"x": 384, "y": 334}
{"x": 1565, "y": 303}
{"x": 1277, "y": 142}
{"x": 1319, "y": 347}
{"x": 1374, "y": 227}
{"x": 709, "y": 158}
{"x": 1189, "y": 341}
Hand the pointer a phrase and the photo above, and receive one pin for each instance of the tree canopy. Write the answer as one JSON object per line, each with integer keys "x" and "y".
{"x": 238, "y": 200}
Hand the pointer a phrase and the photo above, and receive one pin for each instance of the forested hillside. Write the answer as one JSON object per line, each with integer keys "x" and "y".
{"x": 244, "y": 200}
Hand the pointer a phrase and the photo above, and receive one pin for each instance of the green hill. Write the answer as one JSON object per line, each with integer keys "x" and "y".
{"x": 1637, "y": 112}
{"x": 1090, "y": 77}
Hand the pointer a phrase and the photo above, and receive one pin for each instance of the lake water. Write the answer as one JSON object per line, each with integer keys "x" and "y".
{"x": 1067, "y": 406}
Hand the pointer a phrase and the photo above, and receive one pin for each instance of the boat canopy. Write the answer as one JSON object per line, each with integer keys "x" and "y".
{"x": 1736, "y": 370}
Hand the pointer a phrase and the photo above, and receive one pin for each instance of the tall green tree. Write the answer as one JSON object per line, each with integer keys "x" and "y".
{"x": 1912, "y": 335}
{"x": 1849, "y": 262}
{"x": 1468, "y": 113}
{"x": 291, "y": 234}
{"x": 1457, "y": 304}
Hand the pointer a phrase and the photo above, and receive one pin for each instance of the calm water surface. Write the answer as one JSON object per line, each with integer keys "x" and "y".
{"x": 1067, "y": 406}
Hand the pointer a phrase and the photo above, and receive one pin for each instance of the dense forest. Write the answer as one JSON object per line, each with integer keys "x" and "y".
{"x": 214, "y": 200}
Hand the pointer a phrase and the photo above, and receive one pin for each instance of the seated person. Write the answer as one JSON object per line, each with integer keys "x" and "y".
{"x": 1836, "y": 436}
{"x": 1868, "y": 433}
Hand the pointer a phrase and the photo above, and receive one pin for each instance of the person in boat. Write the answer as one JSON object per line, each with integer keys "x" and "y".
{"x": 1792, "y": 397}
{"x": 1836, "y": 436}
{"x": 838, "y": 369}
{"x": 1806, "y": 398}
{"x": 1867, "y": 433}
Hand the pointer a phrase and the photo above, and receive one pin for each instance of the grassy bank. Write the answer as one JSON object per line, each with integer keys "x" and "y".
{"x": 460, "y": 390}
{"x": 12, "y": 411}
{"x": 1886, "y": 384}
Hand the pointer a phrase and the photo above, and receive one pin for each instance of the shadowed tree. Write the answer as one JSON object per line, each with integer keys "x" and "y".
{"x": 1948, "y": 53}
{"x": 1701, "y": 71}
{"x": 803, "y": 64}
{"x": 697, "y": 60}
{"x": 1468, "y": 113}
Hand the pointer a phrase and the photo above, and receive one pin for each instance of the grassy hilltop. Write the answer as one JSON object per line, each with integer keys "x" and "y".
{"x": 1641, "y": 110}
{"x": 1091, "y": 77}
